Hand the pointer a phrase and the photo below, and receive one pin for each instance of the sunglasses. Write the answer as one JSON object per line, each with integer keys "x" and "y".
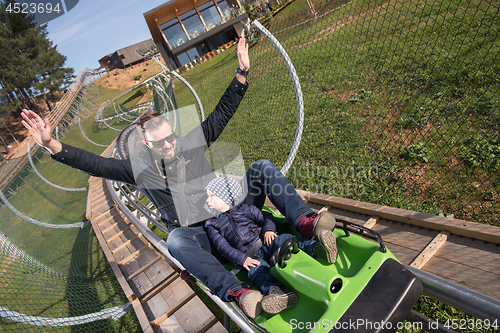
{"x": 159, "y": 144}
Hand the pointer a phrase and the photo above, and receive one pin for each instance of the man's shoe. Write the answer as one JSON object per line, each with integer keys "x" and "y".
{"x": 310, "y": 227}
{"x": 275, "y": 303}
{"x": 249, "y": 301}
{"x": 326, "y": 246}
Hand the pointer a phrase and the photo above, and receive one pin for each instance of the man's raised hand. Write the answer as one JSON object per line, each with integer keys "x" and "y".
{"x": 40, "y": 130}
{"x": 244, "y": 60}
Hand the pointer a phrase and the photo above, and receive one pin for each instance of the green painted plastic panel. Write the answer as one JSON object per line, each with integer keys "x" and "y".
{"x": 311, "y": 279}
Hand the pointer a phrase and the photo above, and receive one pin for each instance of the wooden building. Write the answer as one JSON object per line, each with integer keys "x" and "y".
{"x": 184, "y": 30}
{"x": 127, "y": 56}
{"x": 105, "y": 62}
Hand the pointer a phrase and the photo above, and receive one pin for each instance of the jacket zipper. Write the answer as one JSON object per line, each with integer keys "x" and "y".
{"x": 235, "y": 229}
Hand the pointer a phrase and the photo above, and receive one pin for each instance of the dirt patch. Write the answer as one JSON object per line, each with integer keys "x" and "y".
{"x": 145, "y": 98}
{"x": 11, "y": 130}
{"x": 8, "y": 260}
{"x": 417, "y": 178}
{"x": 405, "y": 137}
{"x": 342, "y": 97}
{"x": 126, "y": 78}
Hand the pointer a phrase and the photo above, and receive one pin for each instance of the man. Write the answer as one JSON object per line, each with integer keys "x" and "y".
{"x": 173, "y": 172}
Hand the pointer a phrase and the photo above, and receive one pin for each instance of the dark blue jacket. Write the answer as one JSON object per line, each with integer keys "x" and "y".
{"x": 162, "y": 189}
{"x": 234, "y": 232}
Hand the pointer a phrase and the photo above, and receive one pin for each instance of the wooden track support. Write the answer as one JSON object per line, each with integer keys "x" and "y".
{"x": 430, "y": 250}
{"x": 324, "y": 209}
{"x": 161, "y": 300}
{"x": 371, "y": 222}
{"x": 155, "y": 323}
{"x": 470, "y": 229}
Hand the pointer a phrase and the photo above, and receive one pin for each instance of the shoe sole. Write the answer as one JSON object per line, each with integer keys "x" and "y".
{"x": 250, "y": 303}
{"x": 326, "y": 221}
{"x": 329, "y": 242}
{"x": 276, "y": 303}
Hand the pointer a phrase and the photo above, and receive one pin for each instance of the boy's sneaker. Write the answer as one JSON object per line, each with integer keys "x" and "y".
{"x": 275, "y": 303}
{"x": 249, "y": 301}
{"x": 310, "y": 227}
{"x": 326, "y": 246}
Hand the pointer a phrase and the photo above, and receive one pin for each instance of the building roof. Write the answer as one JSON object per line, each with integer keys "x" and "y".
{"x": 130, "y": 52}
{"x": 164, "y": 13}
{"x": 158, "y": 7}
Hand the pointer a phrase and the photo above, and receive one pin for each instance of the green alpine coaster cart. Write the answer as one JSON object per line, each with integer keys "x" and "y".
{"x": 365, "y": 290}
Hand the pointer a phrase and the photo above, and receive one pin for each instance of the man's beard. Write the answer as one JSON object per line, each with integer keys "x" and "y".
{"x": 168, "y": 158}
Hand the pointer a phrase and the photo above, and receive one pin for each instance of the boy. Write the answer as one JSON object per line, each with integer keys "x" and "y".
{"x": 237, "y": 226}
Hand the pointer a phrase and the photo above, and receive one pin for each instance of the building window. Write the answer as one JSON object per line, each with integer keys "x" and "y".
{"x": 193, "y": 54}
{"x": 218, "y": 40}
{"x": 210, "y": 15}
{"x": 192, "y": 23}
{"x": 225, "y": 9}
{"x": 202, "y": 48}
{"x": 174, "y": 33}
{"x": 188, "y": 56}
{"x": 183, "y": 58}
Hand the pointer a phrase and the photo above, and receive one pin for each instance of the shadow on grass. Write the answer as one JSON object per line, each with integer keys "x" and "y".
{"x": 137, "y": 94}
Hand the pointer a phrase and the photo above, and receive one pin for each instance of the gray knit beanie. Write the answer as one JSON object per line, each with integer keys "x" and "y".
{"x": 226, "y": 188}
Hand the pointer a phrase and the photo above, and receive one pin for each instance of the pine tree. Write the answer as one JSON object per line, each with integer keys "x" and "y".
{"x": 29, "y": 63}
{"x": 9, "y": 47}
{"x": 52, "y": 74}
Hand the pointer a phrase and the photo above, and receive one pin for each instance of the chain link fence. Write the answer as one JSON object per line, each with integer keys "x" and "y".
{"x": 53, "y": 273}
{"x": 401, "y": 102}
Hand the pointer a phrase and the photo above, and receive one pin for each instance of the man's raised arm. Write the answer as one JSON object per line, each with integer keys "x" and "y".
{"x": 243, "y": 59}
{"x": 230, "y": 100}
{"x": 108, "y": 168}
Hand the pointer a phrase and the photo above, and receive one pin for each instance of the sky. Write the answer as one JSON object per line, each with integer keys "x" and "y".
{"x": 96, "y": 28}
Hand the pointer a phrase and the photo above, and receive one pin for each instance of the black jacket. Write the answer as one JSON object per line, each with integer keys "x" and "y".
{"x": 198, "y": 169}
